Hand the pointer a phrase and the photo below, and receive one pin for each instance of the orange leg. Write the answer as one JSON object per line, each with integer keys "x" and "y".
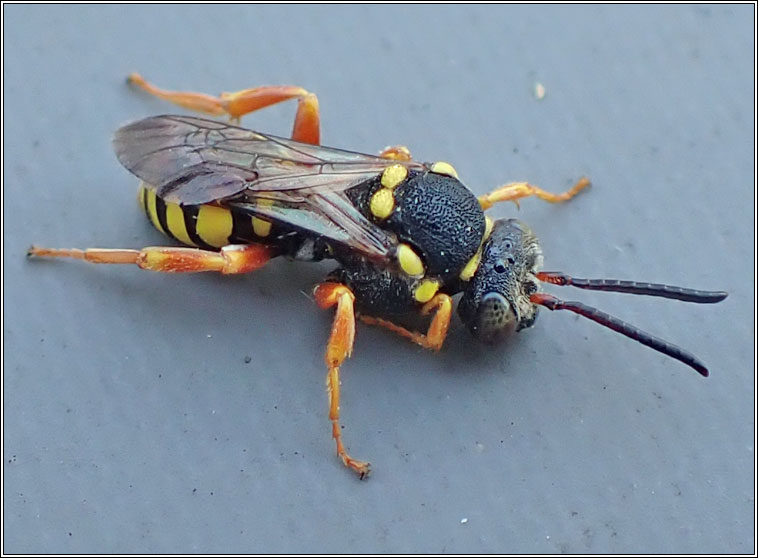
{"x": 240, "y": 103}
{"x": 514, "y": 191}
{"x": 396, "y": 153}
{"x": 337, "y": 350}
{"x": 442, "y": 305}
{"x": 231, "y": 259}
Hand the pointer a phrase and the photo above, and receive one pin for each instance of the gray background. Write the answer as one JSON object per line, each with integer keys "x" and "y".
{"x": 132, "y": 422}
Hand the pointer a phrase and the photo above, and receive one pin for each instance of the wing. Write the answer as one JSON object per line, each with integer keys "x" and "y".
{"x": 181, "y": 156}
{"x": 194, "y": 161}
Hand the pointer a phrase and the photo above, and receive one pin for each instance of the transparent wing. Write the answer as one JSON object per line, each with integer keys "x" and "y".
{"x": 195, "y": 161}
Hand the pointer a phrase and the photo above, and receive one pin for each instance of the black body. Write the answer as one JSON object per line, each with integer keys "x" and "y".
{"x": 401, "y": 232}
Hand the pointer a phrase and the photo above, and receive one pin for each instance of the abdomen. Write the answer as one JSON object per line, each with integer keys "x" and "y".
{"x": 203, "y": 226}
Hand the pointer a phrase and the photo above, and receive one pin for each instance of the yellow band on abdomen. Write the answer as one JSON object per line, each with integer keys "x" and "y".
{"x": 176, "y": 225}
{"x": 214, "y": 225}
{"x": 152, "y": 210}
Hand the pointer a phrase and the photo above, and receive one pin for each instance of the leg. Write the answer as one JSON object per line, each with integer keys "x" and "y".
{"x": 514, "y": 191}
{"x": 396, "y": 153}
{"x": 337, "y": 350}
{"x": 240, "y": 103}
{"x": 442, "y": 306}
{"x": 231, "y": 259}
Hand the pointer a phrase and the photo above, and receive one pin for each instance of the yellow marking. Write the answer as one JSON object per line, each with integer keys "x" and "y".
{"x": 261, "y": 227}
{"x": 426, "y": 290}
{"x": 470, "y": 268}
{"x": 393, "y": 176}
{"x": 441, "y": 167}
{"x": 472, "y": 265}
{"x": 214, "y": 225}
{"x": 397, "y": 153}
{"x": 152, "y": 212}
{"x": 153, "y": 259}
{"x": 488, "y": 225}
{"x": 382, "y": 203}
{"x": 176, "y": 225}
{"x": 141, "y": 196}
{"x": 409, "y": 261}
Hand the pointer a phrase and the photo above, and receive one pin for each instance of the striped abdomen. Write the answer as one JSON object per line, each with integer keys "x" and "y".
{"x": 203, "y": 226}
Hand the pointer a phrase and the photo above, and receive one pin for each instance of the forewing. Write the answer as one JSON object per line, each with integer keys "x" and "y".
{"x": 195, "y": 160}
{"x": 181, "y": 159}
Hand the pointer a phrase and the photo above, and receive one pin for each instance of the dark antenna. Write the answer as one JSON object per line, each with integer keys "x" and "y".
{"x": 633, "y": 287}
{"x": 620, "y": 326}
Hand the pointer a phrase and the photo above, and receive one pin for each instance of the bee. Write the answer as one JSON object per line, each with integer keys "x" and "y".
{"x": 406, "y": 236}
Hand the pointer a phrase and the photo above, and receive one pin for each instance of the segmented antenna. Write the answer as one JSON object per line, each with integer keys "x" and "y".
{"x": 620, "y": 326}
{"x": 633, "y": 287}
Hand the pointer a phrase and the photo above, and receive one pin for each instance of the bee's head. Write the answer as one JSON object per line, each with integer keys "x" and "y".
{"x": 504, "y": 293}
{"x": 496, "y": 301}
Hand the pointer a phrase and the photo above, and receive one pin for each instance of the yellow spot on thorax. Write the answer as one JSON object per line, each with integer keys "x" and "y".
{"x": 382, "y": 203}
{"x": 393, "y": 176}
{"x": 473, "y": 264}
{"x": 470, "y": 268}
{"x": 409, "y": 261}
{"x": 441, "y": 167}
{"x": 488, "y": 225}
{"x": 214, "y": 225}
{"x": 426, "y": 290}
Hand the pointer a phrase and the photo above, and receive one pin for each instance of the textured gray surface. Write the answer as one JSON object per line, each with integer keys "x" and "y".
{"x": 132, "y": 422}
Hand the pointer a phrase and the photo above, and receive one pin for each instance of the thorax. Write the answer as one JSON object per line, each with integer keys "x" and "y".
{"x": 439, "y": 226}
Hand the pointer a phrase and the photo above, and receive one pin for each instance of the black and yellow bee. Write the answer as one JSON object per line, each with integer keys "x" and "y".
{"x": 406, "y": 236}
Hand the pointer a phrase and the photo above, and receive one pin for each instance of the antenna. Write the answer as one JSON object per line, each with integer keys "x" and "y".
{"x": 552, "y": 303}
{"x": 633, "y": 287}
